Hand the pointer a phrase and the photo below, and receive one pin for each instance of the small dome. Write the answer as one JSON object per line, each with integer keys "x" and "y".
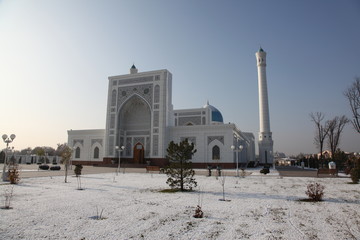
{"x": 216, "y": 115}
{"x": 261, "y": 50}
{"x": 133, "y": 66}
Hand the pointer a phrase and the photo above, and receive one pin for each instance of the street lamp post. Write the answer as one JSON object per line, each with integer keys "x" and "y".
{"x": 120, "y": 149}
{"x": 237, "y": 151}
{"x": 6, "y": 140}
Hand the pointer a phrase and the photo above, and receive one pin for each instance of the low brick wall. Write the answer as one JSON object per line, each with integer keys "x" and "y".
{"x": 161, "y": 162}
{"x": 89, "y": 163}
{"x": 214, "y": 165}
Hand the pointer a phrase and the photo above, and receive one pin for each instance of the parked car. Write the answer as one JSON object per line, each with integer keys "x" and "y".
{"x": 44, "y": 167}
{"x": 55, "y": 168}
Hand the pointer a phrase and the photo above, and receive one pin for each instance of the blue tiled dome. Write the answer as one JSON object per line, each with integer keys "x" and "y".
{"x": 216, "y": 115}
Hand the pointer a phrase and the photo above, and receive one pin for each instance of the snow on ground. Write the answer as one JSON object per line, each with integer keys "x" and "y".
{"x": 260, "y": 207}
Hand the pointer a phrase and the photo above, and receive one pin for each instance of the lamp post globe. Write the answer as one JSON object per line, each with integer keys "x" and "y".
{"x": 4, "y": 137}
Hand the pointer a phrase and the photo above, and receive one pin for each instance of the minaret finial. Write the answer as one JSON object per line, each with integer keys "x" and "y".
{"x": 133, "y": 69}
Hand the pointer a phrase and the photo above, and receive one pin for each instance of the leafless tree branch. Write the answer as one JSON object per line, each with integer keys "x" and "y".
{"x": 353, "y": 96}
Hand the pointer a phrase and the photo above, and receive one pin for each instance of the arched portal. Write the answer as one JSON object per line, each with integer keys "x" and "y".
{"x": 134, "y": 121}
{"x": 135, "y": 115}
{"x": 139, "y": 153}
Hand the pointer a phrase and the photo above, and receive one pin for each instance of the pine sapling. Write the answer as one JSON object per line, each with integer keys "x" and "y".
{"x": 198, "y": 212}
{"x": 14, "y": 176}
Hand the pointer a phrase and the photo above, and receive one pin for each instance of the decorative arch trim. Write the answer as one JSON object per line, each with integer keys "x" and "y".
{"x": 219, "y": 138}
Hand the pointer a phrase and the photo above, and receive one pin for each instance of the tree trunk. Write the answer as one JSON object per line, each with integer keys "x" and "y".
{"x": 66, "y": 172}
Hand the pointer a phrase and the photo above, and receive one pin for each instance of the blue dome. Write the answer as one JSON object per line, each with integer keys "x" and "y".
{"x": 216, "y": 115}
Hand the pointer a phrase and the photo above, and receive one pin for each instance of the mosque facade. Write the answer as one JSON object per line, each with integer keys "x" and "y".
{"x": 141, "y": 122}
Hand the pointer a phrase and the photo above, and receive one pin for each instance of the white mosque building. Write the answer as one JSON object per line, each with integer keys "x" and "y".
{"x": 140, "y": 119}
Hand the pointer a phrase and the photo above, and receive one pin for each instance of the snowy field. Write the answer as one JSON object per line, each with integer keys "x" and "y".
{"x": 259, "y": 207}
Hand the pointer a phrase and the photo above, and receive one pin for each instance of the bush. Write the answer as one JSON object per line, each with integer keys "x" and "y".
{"x": 44, "y": 167}
{"x": 14, "y": 177}
{"x": 265, "y": 170}
{"x": 198, "y": 212}
{"x": 78, "y": 169}
{"x": 355, "y": 172}
{"x": 315, "y": 191}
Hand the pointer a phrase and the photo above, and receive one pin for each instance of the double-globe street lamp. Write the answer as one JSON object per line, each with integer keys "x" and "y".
{"x": 237, "y": 150}
{"x": 7, "y": 140}
{"x": 120, "y": 149}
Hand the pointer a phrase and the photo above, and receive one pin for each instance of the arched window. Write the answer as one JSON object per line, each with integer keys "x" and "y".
{"x": 215, "y": 153}
{"x": 96, "y": 152}
{"x": 77, "y": 152}
{"x": 113, "y": 98}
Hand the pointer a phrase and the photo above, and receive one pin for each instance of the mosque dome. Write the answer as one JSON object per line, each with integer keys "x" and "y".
{"x": 216, "y": 115}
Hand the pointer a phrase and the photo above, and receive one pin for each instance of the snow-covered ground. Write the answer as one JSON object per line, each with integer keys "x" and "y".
{"x": 260, "y": 207}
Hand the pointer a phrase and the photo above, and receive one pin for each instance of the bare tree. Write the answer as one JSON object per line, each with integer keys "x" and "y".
{"x": 335, "y": 126}
{"x": 66, "y": 153}
{"x": 321, "y": 131}
{"x": 353, "y": 96}
{"x": 222, "y": 179}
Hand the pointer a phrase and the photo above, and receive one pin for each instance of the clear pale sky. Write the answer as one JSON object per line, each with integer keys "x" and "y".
{"x": 56, "y": 56}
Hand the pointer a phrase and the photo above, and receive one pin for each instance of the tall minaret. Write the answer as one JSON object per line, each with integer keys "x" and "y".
{"x": 265, "y": 138}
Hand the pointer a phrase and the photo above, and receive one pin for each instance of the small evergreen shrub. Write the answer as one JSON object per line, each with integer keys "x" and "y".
{"x": 265, "y": 170}
{"x": 14, "y": 176}
{"x": 198, "y": 212}
{"x": 355, "y": 172}
{"x": 315, "y": 191}
{"x": 77, "y": 171}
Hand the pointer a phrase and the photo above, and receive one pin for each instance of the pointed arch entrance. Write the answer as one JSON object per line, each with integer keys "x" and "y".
{"x": 134, "y": 127}
{"x": 139, "y": 153}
